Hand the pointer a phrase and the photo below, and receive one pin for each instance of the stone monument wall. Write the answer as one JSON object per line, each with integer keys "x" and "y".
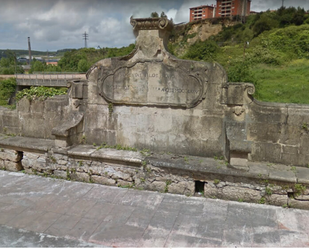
{"x": 150, "y": 99}
{"x": 163, "y": 123}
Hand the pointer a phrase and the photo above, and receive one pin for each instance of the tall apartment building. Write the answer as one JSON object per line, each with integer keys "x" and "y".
{"x": 202, "y": 12}
{"x": 224, "y": 8}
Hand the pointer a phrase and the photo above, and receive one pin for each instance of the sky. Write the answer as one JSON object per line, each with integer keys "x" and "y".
{"x": 58, "y": 24}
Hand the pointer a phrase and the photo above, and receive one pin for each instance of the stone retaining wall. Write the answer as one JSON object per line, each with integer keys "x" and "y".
{"x": 163, "y": 179}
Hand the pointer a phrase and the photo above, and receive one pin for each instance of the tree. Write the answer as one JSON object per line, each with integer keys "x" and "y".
{"x": 247, "y": 35}
{"x": 83, "y": 65}
{"x": 163, "y": 14}
{"x": 266, "y": 22}
{"x": 154, "y": 15}
{"x": 37, "y": 66}
{"x": 4, "y": 62}
{"x": 299, "y": 16}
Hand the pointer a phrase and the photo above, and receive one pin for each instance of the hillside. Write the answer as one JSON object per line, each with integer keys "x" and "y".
{"x": 270, "y": 50}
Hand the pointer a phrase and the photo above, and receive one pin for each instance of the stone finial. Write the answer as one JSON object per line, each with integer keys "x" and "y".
{"x": 156, "y": 23}
{"x": 151, "y": 35}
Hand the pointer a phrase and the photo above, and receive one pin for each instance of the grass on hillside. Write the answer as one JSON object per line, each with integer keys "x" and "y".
{"x": 285, "y": 83}
{"x": 288, "y": 83}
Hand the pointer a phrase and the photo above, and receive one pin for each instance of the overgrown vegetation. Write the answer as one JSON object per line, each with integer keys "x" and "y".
{"x": 117, "y": 147}
{"x": 40, "y": 92}
{"x": 9, "y": 63}
{"x": 82, "y": 59}
{"x": 7, "y": 88}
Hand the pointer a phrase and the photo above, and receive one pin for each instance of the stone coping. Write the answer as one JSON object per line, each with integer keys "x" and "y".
{"x": 26, "y": 143}
{"x": 133, "y": 158}
{"x": 192, "y": 164}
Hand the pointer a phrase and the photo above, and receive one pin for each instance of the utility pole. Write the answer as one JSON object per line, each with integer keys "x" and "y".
{"x": 282, "y": 3}
{"x": 29, "y": 48}
{"x": 85, "y": 36}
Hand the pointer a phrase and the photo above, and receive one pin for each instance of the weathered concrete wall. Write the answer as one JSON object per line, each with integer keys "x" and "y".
{"x": 195, "y": 131}
{"x": 271, "y": 132}
{"x": 35, "y": 118}
{"x": 280, "y": 133}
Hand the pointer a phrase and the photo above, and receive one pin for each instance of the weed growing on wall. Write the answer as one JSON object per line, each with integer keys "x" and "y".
{"x": 117, "y": 147}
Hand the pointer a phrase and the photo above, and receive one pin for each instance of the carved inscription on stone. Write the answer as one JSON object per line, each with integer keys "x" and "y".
{"x": 152, "y": 83}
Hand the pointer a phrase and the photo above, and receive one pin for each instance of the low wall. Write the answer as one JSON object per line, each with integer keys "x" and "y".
{"x": 34, "y": 118}
{"x": 192, "y": 176}
{"x": 279, "y": 132}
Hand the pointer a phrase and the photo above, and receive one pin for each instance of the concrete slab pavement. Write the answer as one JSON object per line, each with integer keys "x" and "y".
{"x": 37, "y": 211}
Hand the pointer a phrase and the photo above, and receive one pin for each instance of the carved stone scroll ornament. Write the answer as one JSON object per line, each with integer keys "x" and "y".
{"x": 250, "y": 88}
{"x": 151, "y": 76}
{"x": 153, "y": 83}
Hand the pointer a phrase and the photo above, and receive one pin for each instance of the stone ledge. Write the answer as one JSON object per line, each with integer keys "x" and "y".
{"x": 106, "y": 154}
{"x": 26, "y": 143}
{"x": 256, "y": 170}
{"x": 195, "y": 165}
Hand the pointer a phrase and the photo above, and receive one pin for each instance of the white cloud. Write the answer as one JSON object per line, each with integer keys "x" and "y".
{"x": 171, "y": 14}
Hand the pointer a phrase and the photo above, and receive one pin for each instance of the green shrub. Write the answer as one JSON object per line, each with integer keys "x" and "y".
{"x": 240, "y": 72}
{"x": 202, "y": 51}
{"x": 7, "y": 88}
{"x": 266, "y": 22}
{"x": 40, "y": 92}
{"x": 293, "y": 40}
{"x": 260, "y": 54}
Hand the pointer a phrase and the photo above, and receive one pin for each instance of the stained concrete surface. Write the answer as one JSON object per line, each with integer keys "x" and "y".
{"x": 37, "y": 211}
{"x": 14, "y": 237}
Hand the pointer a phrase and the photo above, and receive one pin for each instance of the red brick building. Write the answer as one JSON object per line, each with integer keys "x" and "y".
{"x": 202, "y": 12}
{"x": 224, "y": 8}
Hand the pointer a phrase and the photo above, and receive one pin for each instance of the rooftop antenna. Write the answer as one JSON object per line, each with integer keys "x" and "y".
{"x": 85, "y": 36}
{"x": 29, "y": 48}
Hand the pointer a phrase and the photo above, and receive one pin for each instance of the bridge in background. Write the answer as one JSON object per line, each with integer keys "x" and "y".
{"x": 48, "y": 79}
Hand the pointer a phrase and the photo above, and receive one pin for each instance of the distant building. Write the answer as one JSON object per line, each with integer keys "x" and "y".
{"x": 52, "y": 62}
{"x": 26, "y": 68}
{"x": 253, "y": 12}
{"x": 202, "y": 12}
{"x": 223, "y": 8}
{"x": 227, "y": 8}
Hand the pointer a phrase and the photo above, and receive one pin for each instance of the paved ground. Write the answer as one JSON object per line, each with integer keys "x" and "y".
{"x": 37, "y": 211}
